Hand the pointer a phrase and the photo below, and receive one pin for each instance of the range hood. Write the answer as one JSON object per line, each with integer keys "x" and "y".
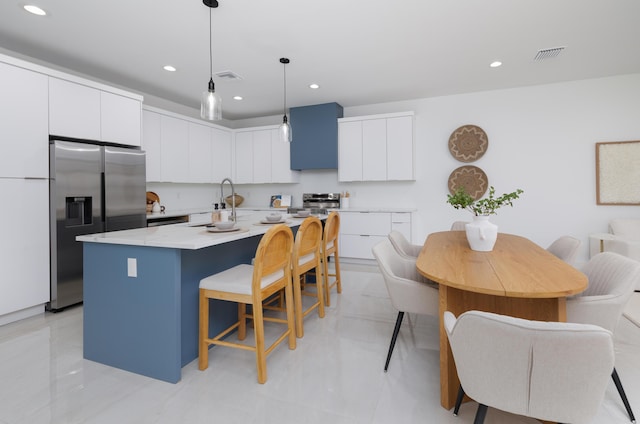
{"x": 315, "y": 136}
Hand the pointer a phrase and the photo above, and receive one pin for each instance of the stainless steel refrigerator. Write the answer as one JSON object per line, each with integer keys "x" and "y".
{"x": 93, "y": 189}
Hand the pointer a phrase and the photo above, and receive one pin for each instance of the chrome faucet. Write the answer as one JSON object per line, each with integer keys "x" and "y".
{"x": 233, "y": 197}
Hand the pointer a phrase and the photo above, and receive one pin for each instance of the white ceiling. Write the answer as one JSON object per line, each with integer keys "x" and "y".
{"x": 359, "y": 51}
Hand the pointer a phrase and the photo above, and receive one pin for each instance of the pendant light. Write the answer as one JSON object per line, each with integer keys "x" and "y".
{"x": 285, "y": 127}
{"x": 211, "y": 104}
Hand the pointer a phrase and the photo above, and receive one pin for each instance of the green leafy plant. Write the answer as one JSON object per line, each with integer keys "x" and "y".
{"x": 485, "y": 206}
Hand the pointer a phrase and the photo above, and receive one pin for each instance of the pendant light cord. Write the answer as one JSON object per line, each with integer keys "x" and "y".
{"x": 210, "y": 47}
{"x": 284, "y": 83}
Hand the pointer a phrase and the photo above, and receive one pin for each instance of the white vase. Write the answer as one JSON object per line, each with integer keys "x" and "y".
{"x": 481, "y": 234}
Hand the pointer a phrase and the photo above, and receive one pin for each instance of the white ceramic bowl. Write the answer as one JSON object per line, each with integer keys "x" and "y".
{"x": 225, "y": 225}
{"x": 303, "y": 212}
{"x": 274, "y": 217}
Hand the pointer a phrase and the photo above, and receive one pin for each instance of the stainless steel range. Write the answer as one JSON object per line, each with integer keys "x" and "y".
{"x": 318, "y": 203}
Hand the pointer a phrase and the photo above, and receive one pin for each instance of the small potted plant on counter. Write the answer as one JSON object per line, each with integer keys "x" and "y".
{"x": 481, "y": 233}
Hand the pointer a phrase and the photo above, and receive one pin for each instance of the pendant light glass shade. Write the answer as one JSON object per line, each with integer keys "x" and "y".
{"x": 211, "y": 105}
{"x": 285, "y": 130}
{"x": 286, "y": 134}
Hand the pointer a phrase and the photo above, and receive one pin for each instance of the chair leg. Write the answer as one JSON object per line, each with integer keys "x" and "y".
{"x": 203, "y": 332}
{"x": 458, "y": 401}
{"x": 320, "y": 291}
{"x": 480, "y": 414}
{"x": 618, "y": 383}
{"x": 261, "y": 356}
{"x": 297, "y": 298}
{"x": 242, "y": 320}
{"x": 396, "y": 330}
{"x": 337, "y": 267}
{"x": 325, "y": 280}
{"x": 288, "y": 293}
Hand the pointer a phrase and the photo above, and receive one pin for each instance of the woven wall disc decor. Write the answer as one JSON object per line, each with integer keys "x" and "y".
{"x": 468, "y": 143}
{"x": 472, "y": 178}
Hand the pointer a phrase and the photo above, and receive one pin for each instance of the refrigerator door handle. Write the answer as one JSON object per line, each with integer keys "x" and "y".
{"x": 103, "y": 203}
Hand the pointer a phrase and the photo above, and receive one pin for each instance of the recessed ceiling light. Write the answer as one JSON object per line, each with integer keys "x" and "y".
{"x": 237, "y": 97}
{"x": 169, "y": 68}
{"x": 35, "y": 10}
{"x": 314, "y": 86}
{"x": 495, "y": 64}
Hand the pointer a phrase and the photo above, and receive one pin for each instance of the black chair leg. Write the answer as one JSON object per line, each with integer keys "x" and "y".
{"x": 480, "y": 414}
{"x": 458, "y": 401}
{"x": 396, "y": 330}
{"x": 618, "y": 384}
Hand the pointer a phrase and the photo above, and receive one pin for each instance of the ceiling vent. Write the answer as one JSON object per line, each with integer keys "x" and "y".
{"x": 548, "y": 53}
{"x": 228, "y": 75}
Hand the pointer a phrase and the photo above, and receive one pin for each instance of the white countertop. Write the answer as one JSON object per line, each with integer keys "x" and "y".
{"x": 249, "y": 210}
{"x": 183, "y": 236}
{"x": 205, "y": 209}
{"x": 377, "y": 209}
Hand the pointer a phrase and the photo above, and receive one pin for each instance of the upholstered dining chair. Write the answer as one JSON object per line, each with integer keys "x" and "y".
{"x": 251, "y": 285}
{"x": 565, "y": 248}
{"x": 612, "y": 279}
{"x": 403, "y": 246}
{"x": 552, "y": 371}
{"x": 459, "y": 226}
{"x": 407, "y": 289}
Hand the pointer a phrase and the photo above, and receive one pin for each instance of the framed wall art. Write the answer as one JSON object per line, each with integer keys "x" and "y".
{"x": 618, "y": 173}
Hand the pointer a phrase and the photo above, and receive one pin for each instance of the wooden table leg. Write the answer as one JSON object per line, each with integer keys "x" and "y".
{"x": 459, "y": 301}
{"x": 448, "y": 374}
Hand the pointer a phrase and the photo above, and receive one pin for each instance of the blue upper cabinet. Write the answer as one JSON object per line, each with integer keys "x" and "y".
{"x": 315, "y": 136}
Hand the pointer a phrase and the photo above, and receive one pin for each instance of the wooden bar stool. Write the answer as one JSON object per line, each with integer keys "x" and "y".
{"x": 306, "y": 257}
{"x": 250, "y": 285}
{"x": 329, "y": 248}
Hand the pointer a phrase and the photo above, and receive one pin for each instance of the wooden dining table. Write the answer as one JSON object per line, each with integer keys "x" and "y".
{"x": 517, "y": 278}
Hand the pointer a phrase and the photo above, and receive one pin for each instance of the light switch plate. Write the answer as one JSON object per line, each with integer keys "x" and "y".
{"x": 132, "y": 267}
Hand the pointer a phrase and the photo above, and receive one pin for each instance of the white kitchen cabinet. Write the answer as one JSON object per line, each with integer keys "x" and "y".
{"x": 200, "y": 153}
{"x": 120, "y": 119}
{"x": 24, "y": 132}
{"x": 350, "y": 151}
{"x": 84, "y": 112}
{"x": 281, "y": 171}
{"x": 24, "y": 245}
{"x": 183, "y": 150}
{"x": 243, "y": 157}
{"x": 260, "y": 157}
{"x": 376, "y": 148}
{"x": 74, "y": 110}
{"x": 400, "y": 148}
{"x": 174, "y": 145}
{"x": 151, "y": 129}
{"x": 221, "y": 157}
{"x": 401, "y": 222}
{"x": 361, "y": 230}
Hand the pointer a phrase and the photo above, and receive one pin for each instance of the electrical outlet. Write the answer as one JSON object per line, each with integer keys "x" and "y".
{"x": 132, "y": 267}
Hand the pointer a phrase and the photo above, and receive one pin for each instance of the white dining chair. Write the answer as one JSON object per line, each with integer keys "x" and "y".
{"x": 459, "y": 226}
{"x": 565, "y": 248}
{"x": 408, "y": 290}
{"x": 403, "y": 246}
{"x": 612, "y": 279}
{"x": 552, "y": 371}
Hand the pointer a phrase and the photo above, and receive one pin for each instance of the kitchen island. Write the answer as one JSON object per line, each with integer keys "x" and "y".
{"x": 141, "y": 292}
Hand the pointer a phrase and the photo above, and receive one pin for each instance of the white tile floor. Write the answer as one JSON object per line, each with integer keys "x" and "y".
{"x": 334, "y": 376}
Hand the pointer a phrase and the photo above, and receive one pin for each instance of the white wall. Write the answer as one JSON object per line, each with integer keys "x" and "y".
{"x": 541, "y": 139}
